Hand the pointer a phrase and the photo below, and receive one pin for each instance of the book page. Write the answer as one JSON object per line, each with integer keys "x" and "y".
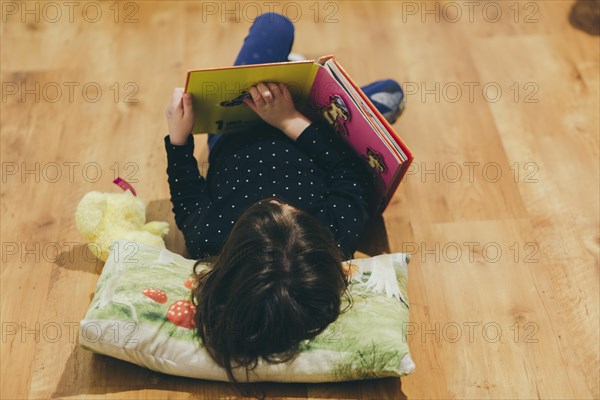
{"x": 330, "y": 64}
{"x": 218, "y": 93}
{"x": 329, "y": 102}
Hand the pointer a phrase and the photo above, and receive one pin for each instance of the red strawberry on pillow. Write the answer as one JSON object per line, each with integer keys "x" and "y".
{"x": 189, "y": 282}
{"x": 157, "y": 295}
{"x": 182, "y": 313}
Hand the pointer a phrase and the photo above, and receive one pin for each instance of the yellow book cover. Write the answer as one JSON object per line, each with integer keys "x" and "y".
{"x": 323, "y": 91}
{"x": 217, "y": 93}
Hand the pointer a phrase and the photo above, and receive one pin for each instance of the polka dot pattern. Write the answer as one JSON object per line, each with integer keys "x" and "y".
{"x": 317, "y": 173}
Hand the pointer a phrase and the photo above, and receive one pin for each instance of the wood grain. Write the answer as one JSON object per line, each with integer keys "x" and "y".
{"x": 500, "y": 209}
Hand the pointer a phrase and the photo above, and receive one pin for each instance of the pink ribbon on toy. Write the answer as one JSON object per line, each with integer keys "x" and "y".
{"x": 123, "y": 184}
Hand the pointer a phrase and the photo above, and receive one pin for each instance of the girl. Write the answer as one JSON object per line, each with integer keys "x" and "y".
{"x": 278, "y": 212}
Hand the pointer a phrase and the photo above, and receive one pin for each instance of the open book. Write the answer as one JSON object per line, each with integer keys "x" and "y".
{"x": 321, "y": 90}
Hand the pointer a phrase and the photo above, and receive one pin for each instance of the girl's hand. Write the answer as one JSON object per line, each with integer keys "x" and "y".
{"x": 180, "y": 117}
{"x": 273, "y": 103}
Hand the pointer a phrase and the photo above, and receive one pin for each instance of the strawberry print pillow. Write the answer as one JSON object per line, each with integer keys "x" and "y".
{"x": 142, "y": 313}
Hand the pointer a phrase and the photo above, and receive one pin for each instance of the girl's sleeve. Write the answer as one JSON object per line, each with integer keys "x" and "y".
{"x": 344, "y": 207}
{"x": 189, "y": 194}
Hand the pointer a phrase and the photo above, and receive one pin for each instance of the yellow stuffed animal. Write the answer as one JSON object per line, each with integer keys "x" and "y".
{"x": 104, "y": 217}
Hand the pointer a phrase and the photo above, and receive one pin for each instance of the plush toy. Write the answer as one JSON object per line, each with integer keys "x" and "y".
{"x": 104, "y": 217}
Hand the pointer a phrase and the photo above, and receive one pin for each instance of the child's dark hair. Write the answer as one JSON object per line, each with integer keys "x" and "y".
{"x": 277, "y": 281}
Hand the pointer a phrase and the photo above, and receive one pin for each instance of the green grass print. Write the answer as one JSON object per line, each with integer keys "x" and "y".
{"x": 369, "y": 336}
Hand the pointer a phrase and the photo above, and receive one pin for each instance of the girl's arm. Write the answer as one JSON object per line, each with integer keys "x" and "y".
{"x": 344, "y": 208}
{"x": 180, "y": 117}
{"x": 188, "y": 188}
{"x": 274, "y": 104}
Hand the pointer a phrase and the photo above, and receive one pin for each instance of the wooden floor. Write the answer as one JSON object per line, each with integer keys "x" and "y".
{"x": 501, "y": 209}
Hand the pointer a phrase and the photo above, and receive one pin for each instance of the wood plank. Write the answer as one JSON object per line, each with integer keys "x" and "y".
{"x": 488, "y": 176}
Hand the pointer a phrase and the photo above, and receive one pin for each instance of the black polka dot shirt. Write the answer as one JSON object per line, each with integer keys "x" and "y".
{"x": 318, "y": 173}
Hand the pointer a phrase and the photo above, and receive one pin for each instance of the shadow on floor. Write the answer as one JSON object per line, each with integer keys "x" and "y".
{"x": 373, "y": 239}
{"x": 162, "y": 210}
{"x": 79, "y": 258}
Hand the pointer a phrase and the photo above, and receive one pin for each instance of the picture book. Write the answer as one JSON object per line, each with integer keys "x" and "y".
{"x": 321, "y": 90}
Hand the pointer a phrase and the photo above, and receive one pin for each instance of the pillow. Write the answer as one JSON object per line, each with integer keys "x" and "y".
{"x": 140, "y": 314}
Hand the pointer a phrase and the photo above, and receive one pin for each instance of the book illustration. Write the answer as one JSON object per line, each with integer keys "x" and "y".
{"x": 368, "y": 110}
{"x": 375, "y": 160}
{"x": 218, "y": 93}
{"x": 336, "y": 113}
{"x": 236, "y": 101}
{"x": 320, "y": 90}
{"x": 360, "y": 133}
{"x": 377, "y": 164}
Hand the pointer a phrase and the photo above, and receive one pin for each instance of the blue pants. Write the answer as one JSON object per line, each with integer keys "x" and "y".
{"x": 270, "y": 40}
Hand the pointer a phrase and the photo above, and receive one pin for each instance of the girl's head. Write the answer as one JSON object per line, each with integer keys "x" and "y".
{"x": 277, "y": 281}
